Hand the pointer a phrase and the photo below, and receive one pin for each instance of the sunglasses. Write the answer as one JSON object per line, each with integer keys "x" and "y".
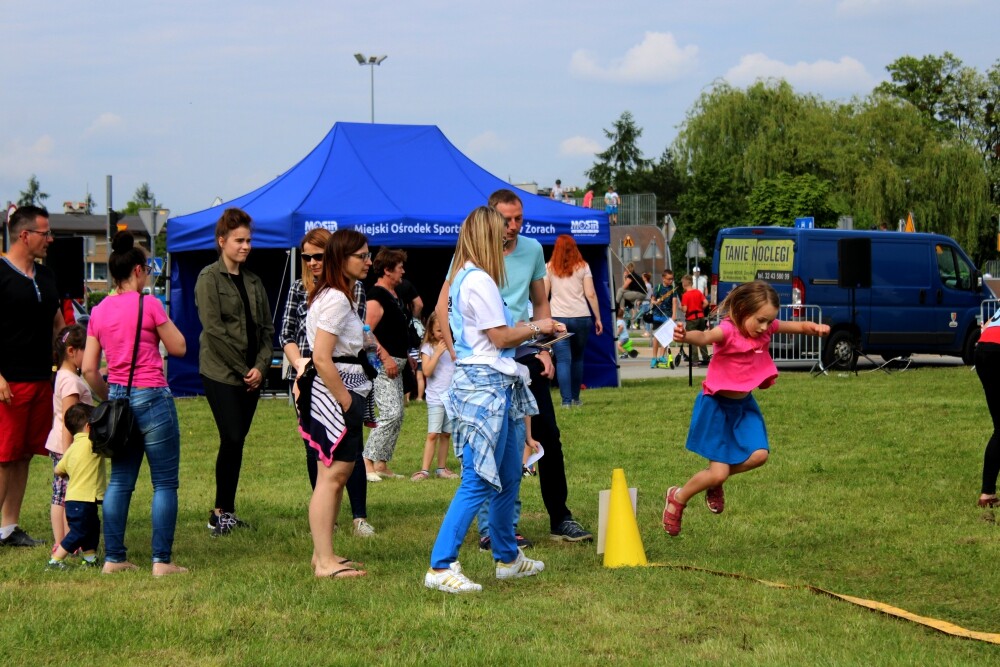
{"x": 318, "y": 257}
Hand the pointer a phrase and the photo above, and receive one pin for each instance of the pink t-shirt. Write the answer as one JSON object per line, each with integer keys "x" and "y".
{"x": 67, "y": 384}
{"x": 740, "y": 363}
{"x": 567, "y": 298}
{"x": 112, "y": 323}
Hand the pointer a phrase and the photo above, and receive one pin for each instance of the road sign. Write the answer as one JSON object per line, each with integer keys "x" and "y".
{"x": 628, "y": 242}
{"x": 154, "y": 219}
{"x": 669, "y": 227}
{"x": 694, "y": 250}
{"x": 652, "y": 251}
{"x": 157, "y": 266}
{"x": 807, "y": 222}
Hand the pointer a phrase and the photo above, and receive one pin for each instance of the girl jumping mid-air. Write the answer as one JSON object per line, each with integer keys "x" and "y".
{"x": 727, "y": 427}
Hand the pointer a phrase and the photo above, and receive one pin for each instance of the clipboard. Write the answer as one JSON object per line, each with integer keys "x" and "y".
{"x": 547, "y": 341}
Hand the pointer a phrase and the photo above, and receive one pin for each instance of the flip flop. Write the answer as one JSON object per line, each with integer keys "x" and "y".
{"x": 350, "y": 563}
{"x": 337, "y": 573}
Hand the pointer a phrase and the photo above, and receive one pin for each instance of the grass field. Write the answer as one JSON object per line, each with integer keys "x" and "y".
{"x": 870, "y": 491}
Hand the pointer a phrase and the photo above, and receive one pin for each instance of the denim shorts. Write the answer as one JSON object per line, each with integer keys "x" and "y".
{"x": 437, "y": 419}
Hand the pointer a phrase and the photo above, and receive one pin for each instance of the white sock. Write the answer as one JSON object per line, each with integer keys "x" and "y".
{"x": 5, "y": 531}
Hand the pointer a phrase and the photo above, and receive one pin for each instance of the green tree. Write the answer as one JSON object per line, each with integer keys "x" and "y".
{"x": 779, "y": 200}
{"x": 143, "y": 198}
{"x": 944, "y": 90}
{"x": 622, "y": 164}
{"x": 33, "y": 195}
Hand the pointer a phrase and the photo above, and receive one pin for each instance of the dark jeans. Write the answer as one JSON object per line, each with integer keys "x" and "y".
{"x": 987, "y": 358}
{"x": 84, "y": 526}
{"x": 551, "y": 468}
{"x": 569, "y": 358}
{"x": 233, "y": 408}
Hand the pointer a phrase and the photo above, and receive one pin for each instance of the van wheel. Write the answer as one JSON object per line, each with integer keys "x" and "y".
{"x": 969, "y": 348}
{"x": 839, "y": 351}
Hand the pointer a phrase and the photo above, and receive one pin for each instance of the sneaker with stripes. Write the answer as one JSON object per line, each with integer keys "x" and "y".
{"x": 521, "y": 567}
{"x": 451, "y": 580}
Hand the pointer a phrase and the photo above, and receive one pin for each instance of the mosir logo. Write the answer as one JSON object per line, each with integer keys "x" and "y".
{"x": 583, "y": 227}
{"x": 329, "y": 225}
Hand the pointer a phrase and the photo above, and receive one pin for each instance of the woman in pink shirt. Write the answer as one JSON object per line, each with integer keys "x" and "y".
{"x": 112, "y": 330}
{"x": 727, "y": 427}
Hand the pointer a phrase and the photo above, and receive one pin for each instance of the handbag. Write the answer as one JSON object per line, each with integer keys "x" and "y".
{"x": 113, "y": 430}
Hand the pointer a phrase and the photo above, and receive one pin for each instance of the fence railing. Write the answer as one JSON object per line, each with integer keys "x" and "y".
{"x": 632, "y": 209}
{"x": 987, "y": 309}
{"x": 794, "y": 347}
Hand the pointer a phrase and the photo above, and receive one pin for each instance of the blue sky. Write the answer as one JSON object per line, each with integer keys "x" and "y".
{"x": 206, "y": 99}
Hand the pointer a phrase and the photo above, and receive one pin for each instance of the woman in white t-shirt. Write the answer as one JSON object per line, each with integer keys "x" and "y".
{"x": 333, "y": 389}
{"x": 487, "y": 402}
{"x": 572, "y": 300}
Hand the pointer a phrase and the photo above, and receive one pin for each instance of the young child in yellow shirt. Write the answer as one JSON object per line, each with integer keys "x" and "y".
{"x": 87, "y": 483}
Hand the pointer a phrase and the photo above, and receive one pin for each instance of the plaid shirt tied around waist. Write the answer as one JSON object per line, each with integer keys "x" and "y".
{"x": 476, "y": 402}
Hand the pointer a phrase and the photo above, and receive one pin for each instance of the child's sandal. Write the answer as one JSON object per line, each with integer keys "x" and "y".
{"x": 672, "y": 512}
{"x": 715, "y": 498}
{"x": 420, "y": 476}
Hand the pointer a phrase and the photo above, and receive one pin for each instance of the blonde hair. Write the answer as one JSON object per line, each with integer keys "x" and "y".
{"x": 747, "y": 299}
{"x": 429, "y": 329}
{"x": 480, "y": 241}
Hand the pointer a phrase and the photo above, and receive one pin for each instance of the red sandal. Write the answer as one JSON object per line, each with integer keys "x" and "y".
{"x": 989, "y": 502}
{"x": 715, "y": 498}
{"x": 672, "y": 511}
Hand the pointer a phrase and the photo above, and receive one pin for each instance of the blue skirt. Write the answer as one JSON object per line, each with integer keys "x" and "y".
{"x": 726, "y": 430}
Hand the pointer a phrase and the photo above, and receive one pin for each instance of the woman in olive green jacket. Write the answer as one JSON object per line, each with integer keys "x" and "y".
{"x": 236, "y": 350}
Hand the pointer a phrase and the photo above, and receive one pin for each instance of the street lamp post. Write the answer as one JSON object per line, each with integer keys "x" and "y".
{"x": 371, "y": 62}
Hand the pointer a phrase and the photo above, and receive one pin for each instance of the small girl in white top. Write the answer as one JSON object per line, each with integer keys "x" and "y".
{"x": 438, "y": 368}
{"x": 70, "y": 389}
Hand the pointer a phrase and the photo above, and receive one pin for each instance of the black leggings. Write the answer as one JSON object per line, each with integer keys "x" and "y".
{"x": 544, "y": 429}
{"x": 987, "y": 360}
{"x": 233, "y": 408}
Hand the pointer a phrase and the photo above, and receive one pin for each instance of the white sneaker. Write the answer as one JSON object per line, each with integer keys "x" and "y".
{"x": 451, "y": 580}
{"x": 363, "y": 529}
{"x": 521, "y": 567}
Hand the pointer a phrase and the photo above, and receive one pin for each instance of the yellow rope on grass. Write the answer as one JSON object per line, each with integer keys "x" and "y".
{"x": 933, "y": 623}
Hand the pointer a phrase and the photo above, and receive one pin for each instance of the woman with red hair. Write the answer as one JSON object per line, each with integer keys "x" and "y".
{"x": 572, "y": 300}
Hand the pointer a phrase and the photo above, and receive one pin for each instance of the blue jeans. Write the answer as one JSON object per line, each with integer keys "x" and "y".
{"x": 569, "y": 357}
{"x": 473, "y": 491}
{"x": 156, "y": 416}
{"x": 483, "y": 516}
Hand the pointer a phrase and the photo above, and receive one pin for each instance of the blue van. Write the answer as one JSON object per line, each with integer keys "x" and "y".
{"x": 922, "y": 293}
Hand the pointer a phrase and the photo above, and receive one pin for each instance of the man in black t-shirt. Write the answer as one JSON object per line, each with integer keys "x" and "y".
{"x": 29, "y": 319}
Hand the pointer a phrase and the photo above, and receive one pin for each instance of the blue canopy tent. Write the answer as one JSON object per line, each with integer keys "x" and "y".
{"x": 403, "y": 186}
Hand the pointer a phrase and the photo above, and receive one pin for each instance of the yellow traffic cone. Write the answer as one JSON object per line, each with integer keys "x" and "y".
{"x": 623, "y": 545}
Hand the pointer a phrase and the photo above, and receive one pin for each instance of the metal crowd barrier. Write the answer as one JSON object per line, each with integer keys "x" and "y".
{"x": 797, "y": 347}
{"x": 987, "y": 308}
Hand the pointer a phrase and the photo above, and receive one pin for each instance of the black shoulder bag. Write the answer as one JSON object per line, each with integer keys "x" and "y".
{"x": 113, "y": 430}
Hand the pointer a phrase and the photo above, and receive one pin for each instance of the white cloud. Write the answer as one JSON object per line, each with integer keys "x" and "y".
{"x": 575, "y": 146}
{"x": 106, "y": 121}
{"x": 846, "y": 74}
{"x": 487, "y": 142}
{"x": 657, "y": 59}
{"x": 18, "y": 159}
